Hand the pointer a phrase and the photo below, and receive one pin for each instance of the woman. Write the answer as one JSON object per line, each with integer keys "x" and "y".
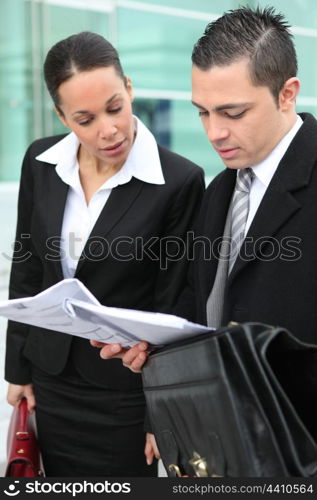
{"x": 107, "y": 205}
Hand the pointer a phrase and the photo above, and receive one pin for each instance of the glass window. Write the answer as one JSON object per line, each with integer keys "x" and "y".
{"x": 176, "y": 125}
{"x": 213, "y": 6}
{"x": 190, "y": 140}
{"x": 28, "y": 30}
{"x": 298, "y": 12}
{"x": 156, "y": 49}
{"x": 307, "y": 72}
{"x": 61, "y": 22}
{"x": 15, "y": 90}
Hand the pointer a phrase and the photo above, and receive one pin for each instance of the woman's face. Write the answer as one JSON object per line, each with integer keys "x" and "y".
{"x": 97, "y": 106}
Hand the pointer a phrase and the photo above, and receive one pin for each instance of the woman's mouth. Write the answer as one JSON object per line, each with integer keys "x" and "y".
{"x": 114, "y": 149}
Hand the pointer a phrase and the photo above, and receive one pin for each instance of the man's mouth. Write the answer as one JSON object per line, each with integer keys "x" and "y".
{"x": 227, "y": 153}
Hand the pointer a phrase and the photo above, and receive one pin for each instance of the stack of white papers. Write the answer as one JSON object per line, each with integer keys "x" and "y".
{"x": 69, "y": 307}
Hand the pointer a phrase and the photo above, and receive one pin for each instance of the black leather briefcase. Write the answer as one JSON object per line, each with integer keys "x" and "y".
{"x": 237, "y": 402}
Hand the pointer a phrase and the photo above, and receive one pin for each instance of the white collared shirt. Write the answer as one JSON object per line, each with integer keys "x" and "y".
{"x": 264, "y": 171}
{"x": 143, "y": 162}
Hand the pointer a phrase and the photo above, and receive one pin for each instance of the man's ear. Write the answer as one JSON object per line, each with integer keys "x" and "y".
{"x": 61, "y": 115}
{"x": 289, "y": 93}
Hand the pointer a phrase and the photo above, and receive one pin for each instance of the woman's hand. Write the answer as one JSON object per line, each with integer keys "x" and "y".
{"x": 133, "y": 358}
{"x": 18, "y": 392}
{"x": 151, "y": 449}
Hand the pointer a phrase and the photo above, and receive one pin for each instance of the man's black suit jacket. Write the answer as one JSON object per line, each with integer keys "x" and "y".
{"x": 127, "y": 262}
{"x": 275, "y": 279}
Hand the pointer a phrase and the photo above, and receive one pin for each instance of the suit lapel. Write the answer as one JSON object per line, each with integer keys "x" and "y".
{"x": 119, "y": 202}
{"x": 276, "y": 208}
{"x": 57, "y": 194}
{"x": 280, "y": 203}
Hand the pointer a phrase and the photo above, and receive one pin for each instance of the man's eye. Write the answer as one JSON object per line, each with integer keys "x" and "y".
{"x": 203, "y": 113}
{"x": 236, "y": 116}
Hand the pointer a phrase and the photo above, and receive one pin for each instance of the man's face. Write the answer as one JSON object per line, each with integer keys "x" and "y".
{"x": 242, "y": 121}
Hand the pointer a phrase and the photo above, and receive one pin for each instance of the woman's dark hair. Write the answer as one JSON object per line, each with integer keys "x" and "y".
{"x": 261, "y": 35}
{"x": 81, "y": 52}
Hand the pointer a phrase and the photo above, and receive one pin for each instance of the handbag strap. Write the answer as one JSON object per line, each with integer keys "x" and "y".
{"x": 23, "y": 415}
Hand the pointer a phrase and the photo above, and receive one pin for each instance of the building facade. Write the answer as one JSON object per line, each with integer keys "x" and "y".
{"x": 154, "y": 40}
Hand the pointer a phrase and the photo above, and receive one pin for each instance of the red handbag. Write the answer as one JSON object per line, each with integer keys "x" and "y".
{"x": 24, "y": 457}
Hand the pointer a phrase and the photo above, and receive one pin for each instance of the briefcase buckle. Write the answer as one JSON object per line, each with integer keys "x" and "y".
{"x": 199, "y": 465}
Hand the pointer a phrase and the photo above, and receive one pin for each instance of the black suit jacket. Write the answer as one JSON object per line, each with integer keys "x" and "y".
{"x": 275, "y": 279}
{"x": 125, "y": 262}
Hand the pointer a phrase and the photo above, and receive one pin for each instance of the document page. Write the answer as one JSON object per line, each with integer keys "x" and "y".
{"x": 69, "y": 307}
{"x": 129, "y": 326}
{"x": 46, "y": 308}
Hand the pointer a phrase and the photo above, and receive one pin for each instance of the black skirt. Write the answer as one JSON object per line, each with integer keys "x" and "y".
{"x": 89, "y": 431}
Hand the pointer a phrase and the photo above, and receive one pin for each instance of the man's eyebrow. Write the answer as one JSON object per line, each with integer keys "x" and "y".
{"x": 84, "y": 111}
{"x": 197, "y": 105}
{"x": 224, "y": 106}
{"x": 231, "y": 106}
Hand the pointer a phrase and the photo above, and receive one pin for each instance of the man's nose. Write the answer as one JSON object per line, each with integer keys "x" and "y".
{"x": 216, "y": 131}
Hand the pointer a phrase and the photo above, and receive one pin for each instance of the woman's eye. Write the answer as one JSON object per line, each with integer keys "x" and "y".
{"x": 114, "y": 110}
{"x": 85, "y": 122}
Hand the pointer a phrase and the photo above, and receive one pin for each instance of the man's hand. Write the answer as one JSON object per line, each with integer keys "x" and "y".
{"x": 109, "y": 351}
{"x": 133, "y": 358}
{"x": 18, "y": 392}
{"x": 151, "y": 449}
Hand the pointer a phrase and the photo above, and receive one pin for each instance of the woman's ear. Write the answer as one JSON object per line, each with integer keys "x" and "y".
{"x": 61, "y": 115}
{"x": 128, "y": 86}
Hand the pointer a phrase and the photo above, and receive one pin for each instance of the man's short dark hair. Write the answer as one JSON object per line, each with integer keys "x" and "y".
{"x": 262, "y": 35}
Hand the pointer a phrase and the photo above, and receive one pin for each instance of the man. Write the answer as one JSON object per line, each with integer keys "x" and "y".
{"x": 245, "y": 87}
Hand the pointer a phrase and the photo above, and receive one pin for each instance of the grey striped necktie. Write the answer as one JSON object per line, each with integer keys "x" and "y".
{"x": 240, "y": 210}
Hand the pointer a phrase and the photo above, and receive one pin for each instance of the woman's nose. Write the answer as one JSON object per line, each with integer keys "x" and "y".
{"x": 108, "y": 128}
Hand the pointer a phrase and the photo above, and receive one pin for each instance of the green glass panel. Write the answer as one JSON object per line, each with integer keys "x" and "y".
{"x": 307, "y": 72}
{"x": 15, "y": 98}
{"x": 17, "y": 65}
{"x": 213, "y": 6}
{"x": 307, "y": 109}
{"x": 62, "y": 22}
{"x": 297, "y": 12}
{"x": 190, "y": 140}
{"x": 176, "y": 125}
{"x": 156, "y": 49}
